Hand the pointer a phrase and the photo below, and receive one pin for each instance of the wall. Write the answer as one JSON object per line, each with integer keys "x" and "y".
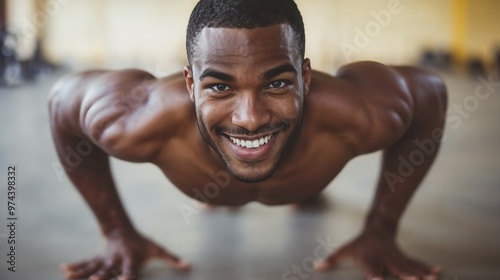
{"x": 392, "y": 31}
{"x": 151, "y": 33}
{"x": 483, "y": 28}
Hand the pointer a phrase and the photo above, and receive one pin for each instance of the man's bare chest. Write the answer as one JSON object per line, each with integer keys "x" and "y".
{"x": 297, "y": 178}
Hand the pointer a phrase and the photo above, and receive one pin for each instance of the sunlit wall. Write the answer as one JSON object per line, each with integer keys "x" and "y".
{"x": 151, "y": 33}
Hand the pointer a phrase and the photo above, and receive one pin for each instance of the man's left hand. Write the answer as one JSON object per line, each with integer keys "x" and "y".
{"x": 377, "y": 254}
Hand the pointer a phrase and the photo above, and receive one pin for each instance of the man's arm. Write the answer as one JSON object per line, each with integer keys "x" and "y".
{"x": 92, "y": 113}
{"x": 405, "y": 164}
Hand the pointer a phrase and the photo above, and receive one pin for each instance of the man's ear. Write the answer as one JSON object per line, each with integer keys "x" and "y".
{"x": 188, "y": 75}
{"x": 306, "y": 74}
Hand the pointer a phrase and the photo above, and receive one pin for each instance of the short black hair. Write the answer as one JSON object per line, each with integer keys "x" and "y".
{"x": 244, "y": 14}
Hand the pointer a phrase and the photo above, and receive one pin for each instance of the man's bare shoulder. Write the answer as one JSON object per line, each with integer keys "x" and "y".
{"x": 369, "y": 104}
{"x": 128, "y": 113}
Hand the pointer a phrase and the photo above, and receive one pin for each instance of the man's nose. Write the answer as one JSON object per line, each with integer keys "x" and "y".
{"x": 251, "y": 112}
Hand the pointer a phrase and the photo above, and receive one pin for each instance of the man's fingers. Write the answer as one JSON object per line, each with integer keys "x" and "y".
{"x": 106, "y": 271}
{"x": 172, "y": 260}
{"x": 423, "y": 268}
{"x": 426, "y": 272}
{"x": 130, "y": 270}
{"x": 83, "y": 271}
{"x": 406, "y": 270}
{"x": 177, "y": 263}
{"x": 73, "y": 266}
{"x": 102, "y": 274}
{"x": 180, "y": 265}
{"x": 333, "y": 259}
{"x": 372, "y": 271}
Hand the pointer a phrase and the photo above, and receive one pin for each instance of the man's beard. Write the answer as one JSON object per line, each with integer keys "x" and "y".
{"x": 236, "y": 130}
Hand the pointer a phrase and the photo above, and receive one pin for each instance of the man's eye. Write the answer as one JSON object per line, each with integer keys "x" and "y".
{"x": 219, "y": 87}
{"x": 277, "y": 84}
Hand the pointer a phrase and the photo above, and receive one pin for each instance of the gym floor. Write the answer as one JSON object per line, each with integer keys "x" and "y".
{"x": 454, "y": 219}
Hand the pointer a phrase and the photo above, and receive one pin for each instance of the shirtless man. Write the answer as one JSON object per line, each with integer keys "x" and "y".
{"x": 249, "y": 105}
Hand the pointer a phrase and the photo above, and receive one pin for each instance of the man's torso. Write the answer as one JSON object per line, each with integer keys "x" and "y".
{"x": 336, "y": 122}
{"x": 365, "y": 108}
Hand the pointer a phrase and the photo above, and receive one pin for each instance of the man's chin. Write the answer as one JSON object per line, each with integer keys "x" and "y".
{"x": 251, "y": 177}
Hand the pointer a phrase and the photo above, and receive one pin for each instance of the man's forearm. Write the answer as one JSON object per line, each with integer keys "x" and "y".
{"x": 404, "y": 166}
{"x": 92, "y": 177}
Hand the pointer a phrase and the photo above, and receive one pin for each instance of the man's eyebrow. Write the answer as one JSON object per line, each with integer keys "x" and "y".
{"x": 287, "y": 67}
{"x": 209, "y": 72}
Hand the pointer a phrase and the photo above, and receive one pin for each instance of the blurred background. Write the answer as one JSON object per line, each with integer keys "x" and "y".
{"x": 453, "y": 220}
{"x": 150, "y": 34}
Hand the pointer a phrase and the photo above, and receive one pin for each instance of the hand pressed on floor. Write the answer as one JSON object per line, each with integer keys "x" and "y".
{"x": 122, "y": 259}
{"x": 378, "y": 255}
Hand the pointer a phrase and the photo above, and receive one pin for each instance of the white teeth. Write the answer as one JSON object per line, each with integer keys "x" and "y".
{"x": 251, "y": 144}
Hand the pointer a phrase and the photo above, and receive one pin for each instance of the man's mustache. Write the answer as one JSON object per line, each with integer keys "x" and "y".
{"x": 238, "y": 130}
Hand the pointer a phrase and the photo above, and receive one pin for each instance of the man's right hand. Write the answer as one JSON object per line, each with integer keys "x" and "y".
{"x": 124, "y": 255}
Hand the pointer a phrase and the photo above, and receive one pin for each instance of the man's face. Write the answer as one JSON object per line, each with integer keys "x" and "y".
{"x": 248, "y": 86}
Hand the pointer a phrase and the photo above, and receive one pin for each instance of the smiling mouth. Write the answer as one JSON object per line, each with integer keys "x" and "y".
{"x": 251, "y": 144}
{"x": 251, "y": 149}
